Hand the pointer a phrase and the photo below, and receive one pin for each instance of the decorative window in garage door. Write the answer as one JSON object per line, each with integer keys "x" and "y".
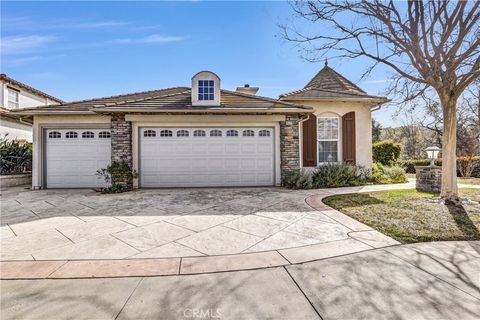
{"x": 54, "y": 135}
{"x": 248, "y": 133}
{"x": 199, "y": 133}
{"x": 104, "y": 135}
{"x": 182, "y": 133}
{"x": 264, "y": 133}
{"x": 232, "y": 133}
{"x": 215, "y": 133}
{"x": 166, "y": 133}
{"x": 149, "y": 133}
{"x": 71, "y": 135}
{"x": 88, "y": 135}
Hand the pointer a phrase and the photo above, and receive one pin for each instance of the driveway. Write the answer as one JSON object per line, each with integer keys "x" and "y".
{"x": 83, "y": 224}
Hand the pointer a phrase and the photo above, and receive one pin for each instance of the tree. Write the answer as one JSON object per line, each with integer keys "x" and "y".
{"x": 376, "y": 131}
{"x": 428, "y": 44}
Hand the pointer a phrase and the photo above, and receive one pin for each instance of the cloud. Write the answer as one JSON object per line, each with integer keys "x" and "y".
{"x": 153, "y": 38}
{"x": 98, "y": 24}
{"x": 22, "y": 43}
{"x": 13, "y": 62}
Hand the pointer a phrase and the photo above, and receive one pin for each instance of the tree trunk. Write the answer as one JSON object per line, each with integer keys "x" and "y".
{"x": 449, "y": 148}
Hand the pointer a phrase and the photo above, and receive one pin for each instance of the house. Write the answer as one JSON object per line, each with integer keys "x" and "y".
{"x": 15, "y": 95}
{"x": 203, "y": 135}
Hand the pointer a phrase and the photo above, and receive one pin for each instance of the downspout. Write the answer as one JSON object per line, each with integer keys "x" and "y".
{"x": 300, "y": 133}
{"x": 24, "y": 122}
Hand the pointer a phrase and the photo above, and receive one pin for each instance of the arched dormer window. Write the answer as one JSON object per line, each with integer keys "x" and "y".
{"x": 206, "y": 89}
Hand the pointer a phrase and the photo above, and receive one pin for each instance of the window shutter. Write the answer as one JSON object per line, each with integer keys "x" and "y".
{"x": 310, "y": 142}
{"x": 348, "y": 137}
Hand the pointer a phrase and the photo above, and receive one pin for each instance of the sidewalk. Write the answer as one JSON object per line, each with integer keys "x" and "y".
{"x": 439, "y": 280}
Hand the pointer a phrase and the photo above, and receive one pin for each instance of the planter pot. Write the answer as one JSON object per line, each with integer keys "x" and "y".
{"x": 15, "y": 180}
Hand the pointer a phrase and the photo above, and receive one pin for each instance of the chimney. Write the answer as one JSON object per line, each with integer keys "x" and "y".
{"x": 247, "y": 89}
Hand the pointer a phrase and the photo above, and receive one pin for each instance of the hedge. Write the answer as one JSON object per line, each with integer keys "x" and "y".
{"x": 409, "y": 165}
{"x": 386, "y": 152}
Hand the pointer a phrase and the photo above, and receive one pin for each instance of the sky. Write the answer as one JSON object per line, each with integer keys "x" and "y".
{"x": 82, "y": 50}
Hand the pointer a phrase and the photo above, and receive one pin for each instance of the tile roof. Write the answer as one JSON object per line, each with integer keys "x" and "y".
{"x": 328, "y": 84}
{"x": 4, "y": 77}
{"x": 171, "y": 99}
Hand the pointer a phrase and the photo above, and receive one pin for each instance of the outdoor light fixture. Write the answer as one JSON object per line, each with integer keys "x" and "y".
{"x": 432, "y": 153}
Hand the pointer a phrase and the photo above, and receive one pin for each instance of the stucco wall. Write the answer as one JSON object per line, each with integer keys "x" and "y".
{"x": 26, "y": 99}
{"x": 15, "y": 130}
{"x": 363, "y": 125}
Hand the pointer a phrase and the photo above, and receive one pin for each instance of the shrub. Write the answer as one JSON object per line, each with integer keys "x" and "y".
{"x": 383, "y": 175}
{"x": 335, "y": 175}
{"x": 462, "y": 162}
{"x": 386, "y": 152}
{"x": 297, "y": 179}
{"x": 15, "y": 157}
{"x": 119, "y": 174}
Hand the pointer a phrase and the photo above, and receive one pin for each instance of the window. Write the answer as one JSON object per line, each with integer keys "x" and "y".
{"x": 149, "y": 133}
{"x": 71, "y": 135}
{"x": 54, "y": 135}
{"x": 182, "y": 133}
{"x": 166, "y": 133}
{"x": 232, "y": 133}
{"x": 328, "y": 132}
{"x": 215, "y": 133}
{"x": 199, "y": 133}
{"x": 264, "y": 133}
{"x": 12, "y": 98}
{"x": 206, "y": 89}
{"x": 104, "y": 135}
{"x": 88, "y": 135}
{"x": 248, "y": 133}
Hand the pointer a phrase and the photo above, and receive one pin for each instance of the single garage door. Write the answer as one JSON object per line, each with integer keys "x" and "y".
{"x": 73, "y": 157}
{"x": 206, "y": 157}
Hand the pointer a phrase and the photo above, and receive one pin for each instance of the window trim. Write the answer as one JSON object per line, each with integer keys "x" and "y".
{"x": 17, "y": 96}
{"x": 338, "y": 139}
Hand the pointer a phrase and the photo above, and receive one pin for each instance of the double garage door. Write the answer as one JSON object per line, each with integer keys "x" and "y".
{"x": 168, "y": 157}
{"x": 204, "y": 157}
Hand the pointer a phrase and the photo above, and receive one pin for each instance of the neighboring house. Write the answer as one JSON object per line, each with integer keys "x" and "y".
{"x": 16, "y": 95}
{"x": 204, "y": 135}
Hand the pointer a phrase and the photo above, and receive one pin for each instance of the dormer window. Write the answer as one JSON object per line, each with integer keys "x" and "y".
{"x": 206, "y": 90}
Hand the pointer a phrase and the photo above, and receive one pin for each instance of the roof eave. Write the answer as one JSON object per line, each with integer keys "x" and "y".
{"x": 206, "y": 110}
{"x": 333, "y": 99}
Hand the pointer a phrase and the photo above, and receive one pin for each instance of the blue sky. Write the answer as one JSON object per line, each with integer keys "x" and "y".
{"x": 80, "y": 50}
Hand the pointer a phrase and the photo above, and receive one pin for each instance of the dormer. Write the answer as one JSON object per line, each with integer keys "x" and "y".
{"x": 205, "y": 89}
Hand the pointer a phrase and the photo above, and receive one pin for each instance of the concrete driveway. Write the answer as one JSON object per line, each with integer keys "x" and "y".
{"x": 83, "y": 224}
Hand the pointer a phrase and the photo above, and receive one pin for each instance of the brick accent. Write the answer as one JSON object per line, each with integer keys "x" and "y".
{"x": 289, "y": 144}
{"x": 428, "y": 178}
{"x": 121, "y": 131}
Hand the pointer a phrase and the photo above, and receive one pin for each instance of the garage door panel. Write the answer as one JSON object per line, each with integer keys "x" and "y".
{"x": 73, "y": 162}
{"x": 195, "y": 161}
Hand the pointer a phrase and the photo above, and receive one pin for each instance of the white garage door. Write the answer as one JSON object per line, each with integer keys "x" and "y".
{"x": 74, "y": 155}
{"x": 206, "y": 157}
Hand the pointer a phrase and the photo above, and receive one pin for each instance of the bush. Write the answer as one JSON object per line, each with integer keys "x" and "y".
{"x": 462, "y": 162}
{"x": 120, "y": 174}
{"x": 297, "y": 179}
{"x": 335, "y": 175}
{"x": 386, "y": 152}
{"x": 384, "y": 175}
{"x": 15, "y": 157}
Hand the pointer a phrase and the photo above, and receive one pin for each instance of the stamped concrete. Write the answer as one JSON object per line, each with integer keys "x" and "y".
{"x": 83, "y": 224}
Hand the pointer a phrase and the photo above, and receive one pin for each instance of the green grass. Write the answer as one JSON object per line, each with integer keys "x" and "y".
{"x": 412, "y": 216}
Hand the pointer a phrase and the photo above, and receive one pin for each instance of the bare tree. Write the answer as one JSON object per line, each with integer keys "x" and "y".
{"x": 428, "y": 44}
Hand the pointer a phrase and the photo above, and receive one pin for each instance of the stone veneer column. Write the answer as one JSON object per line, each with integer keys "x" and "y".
{"x": 121, "y": 132}
{"x": 428, "y": 178}
{"x": 289, "y": 144}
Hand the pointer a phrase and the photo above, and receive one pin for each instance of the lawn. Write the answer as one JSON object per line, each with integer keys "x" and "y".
{"x": 412, "y": 216}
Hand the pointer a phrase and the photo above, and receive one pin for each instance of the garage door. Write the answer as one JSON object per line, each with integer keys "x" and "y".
{"x": 73, "y": 157}
{"x": 206, "y": 157}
